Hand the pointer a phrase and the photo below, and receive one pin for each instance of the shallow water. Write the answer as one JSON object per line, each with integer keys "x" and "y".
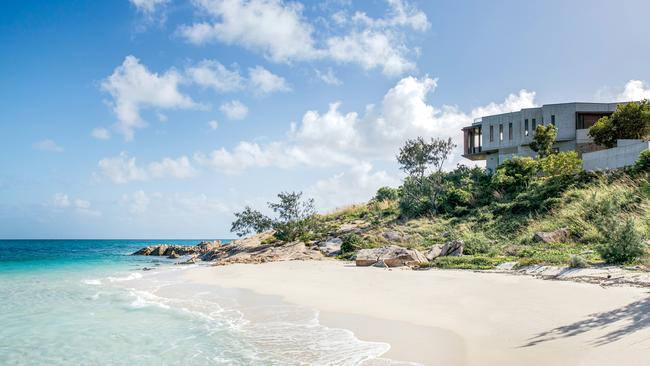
{"x": 89, "y": 302}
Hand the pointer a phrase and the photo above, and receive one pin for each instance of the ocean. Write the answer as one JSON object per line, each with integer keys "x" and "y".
{"x": 88, "y": 302}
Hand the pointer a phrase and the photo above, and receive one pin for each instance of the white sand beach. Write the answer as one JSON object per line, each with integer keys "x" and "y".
{"x": 445, "y": 317}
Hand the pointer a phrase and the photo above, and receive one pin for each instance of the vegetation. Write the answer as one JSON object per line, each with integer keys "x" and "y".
{"x": 630, "y": 121}
{"x": 294, "y": 218}
{"x": 543, "y": 140}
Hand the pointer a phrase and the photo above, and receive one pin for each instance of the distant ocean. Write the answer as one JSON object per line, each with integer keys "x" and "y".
{"x": 88, "y": 302}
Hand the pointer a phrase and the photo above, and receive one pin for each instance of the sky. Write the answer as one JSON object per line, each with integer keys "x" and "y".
{"x": 161, "y": 118}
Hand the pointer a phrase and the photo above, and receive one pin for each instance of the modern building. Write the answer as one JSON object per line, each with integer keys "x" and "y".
{"x": 500, "y": 137}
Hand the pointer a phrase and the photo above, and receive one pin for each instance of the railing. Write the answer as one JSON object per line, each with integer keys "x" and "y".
{"x": 474, "y": 150}
{"x": 478, "y": 120}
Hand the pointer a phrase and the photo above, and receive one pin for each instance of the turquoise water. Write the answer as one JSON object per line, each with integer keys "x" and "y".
{"x": 82, "y": 302}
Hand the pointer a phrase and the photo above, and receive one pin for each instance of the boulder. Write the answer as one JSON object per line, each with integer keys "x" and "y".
{"x": 389, "y": 256}
{"x": 556, "y": 236}
{"x": 452, "y": 248}
{"x": 173, "y": 255}
{"x": 395, "y": 236}
{"x": 205, "y": 246}
{"x": 330, "y": 247}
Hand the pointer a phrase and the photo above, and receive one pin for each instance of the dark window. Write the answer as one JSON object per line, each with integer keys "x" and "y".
{"x": 534, "y": 124}
{"x": 553, "y": 119}
{"x": 491, "y": 133}
{"x": 510, "y": 131}
{"x": 501, "y": 132}
{"x": 526, "y": 127}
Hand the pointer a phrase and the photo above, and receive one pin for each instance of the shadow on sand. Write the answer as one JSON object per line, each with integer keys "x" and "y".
{"x": 620, "y": 322}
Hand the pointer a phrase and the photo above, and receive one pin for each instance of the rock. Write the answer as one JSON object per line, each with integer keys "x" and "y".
{"x": 506, "y": 266}
{"x": 147, "y": 269}
{"x": 173, "y": 255}
{"x": 452, "y": 248}
{"x": 390, "y": 256}
{"x": 179, "y": 250}
{"x": 395, "y": 236}
{"x": 586, "y": 252}
{"x": 354, "y": 227}
{"x": 330, "y": 247}
{"x": 556, "y": 236}
{"x": 209, "y": 245}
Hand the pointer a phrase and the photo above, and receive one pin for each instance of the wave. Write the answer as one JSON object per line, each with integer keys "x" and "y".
{"x": 130, "y": 277}
{"x": 92, "y": 282}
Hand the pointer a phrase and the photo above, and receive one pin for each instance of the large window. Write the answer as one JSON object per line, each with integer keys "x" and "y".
{"x": 553, "y": 119}
{"x": 534, "y": 125}
{"x": 510, "y": 131}
{"x": 501, "y": 132}
{"x": 526, "y": 127}
{"x": 491, "y": 133}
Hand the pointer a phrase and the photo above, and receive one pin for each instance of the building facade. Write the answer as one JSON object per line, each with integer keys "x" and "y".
{"x": 500, "y": 137}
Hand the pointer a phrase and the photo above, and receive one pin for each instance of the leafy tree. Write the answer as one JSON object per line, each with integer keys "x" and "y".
{"x": 630, "y": 121}
{"x": 515, "y": 174}
{"x": 543, "y": 140}
{"x": 294, "y": 218}
{"x": 423, "y": 162}
{"x": 560, "y": 165}
{"x": 643, "y": 163}
{"x": 387, "y": 194}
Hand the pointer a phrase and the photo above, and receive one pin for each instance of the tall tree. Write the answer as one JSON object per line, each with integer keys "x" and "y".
{"x": 543, "y": 140}
{"x": 630, "y": 121}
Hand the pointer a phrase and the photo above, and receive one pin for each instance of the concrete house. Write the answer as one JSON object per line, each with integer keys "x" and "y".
{"x": 500, "y": 137}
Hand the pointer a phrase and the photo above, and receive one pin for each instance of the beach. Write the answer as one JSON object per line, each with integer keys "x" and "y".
{"x": 452, "y": 317}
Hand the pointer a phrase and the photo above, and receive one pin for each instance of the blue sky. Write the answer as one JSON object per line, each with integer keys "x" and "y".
{"x": 160, "y": 118}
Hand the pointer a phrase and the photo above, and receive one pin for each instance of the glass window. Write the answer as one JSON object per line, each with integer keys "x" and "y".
{"x": 491, "y": 133}
{"x": 553, "y": 119}
{"x": 510, "y": 131}
{"x": 501, "y": 132}
{"x": 526, "y": 127}
{"x": 534, "y": 124}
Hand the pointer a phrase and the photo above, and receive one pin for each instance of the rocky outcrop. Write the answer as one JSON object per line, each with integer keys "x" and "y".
{"x": 175, "y": 251}
{"x": 556, "y": 236}
{"x": 330, "y": 247}
{"x": 395, "y": 236}
{"x": 354, "y": 227}
{"x": 389, "y": 256}
{"x": 451, "y": 248}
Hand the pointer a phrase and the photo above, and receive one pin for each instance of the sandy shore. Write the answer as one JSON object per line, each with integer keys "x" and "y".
{"x": 459, "y": 317}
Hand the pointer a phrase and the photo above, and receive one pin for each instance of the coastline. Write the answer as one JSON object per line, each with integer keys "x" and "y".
{"x": 458, "y": 317}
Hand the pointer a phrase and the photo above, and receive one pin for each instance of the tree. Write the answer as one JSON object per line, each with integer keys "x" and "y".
{"x": 423, "y": 162}
{"x": 543, "y": 140}
{"x": 386, "y": 194}
{"x": 629, "y": 121}
{"x": 294, "y": 218}
{"x": 564, "y": 164}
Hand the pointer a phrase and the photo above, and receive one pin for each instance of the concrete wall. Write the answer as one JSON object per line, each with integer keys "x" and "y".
{"x": 626, "y": 154}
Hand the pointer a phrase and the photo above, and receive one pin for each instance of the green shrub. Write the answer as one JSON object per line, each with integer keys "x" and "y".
{"x": 622, "y": 242}
{"x": 515, "y": 174}
{"x": 578, "y": 261}
{"x": 562, "y": 164}
{"x": 387, "y": 194}
{"x": 630, "y": 121}
{"x": 351, "y": 243}
{"x": 643, "y": 163}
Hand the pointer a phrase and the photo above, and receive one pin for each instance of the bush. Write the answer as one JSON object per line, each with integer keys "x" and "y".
{"x": 387, "y": 194}
{"x": 351, "y": 243}
{"x": 515, "y": 174}
{"x": 566, "y": 163}
{"x": 578, "y": 262}
{"x": 622, "y": 242}
{"x": 643, "y": 163}
{"x": 630, "y": 121}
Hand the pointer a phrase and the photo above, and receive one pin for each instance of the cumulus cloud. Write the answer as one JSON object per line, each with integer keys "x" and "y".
{"x": 100, "y": 133}
{"x": 133, "y": 87}
{"x": 278, "y": 30}
{"x": 179, "y": 204}
{"x": 123, "y": 169}
{"x": 234, "y": 110}
{"x": 337, "y": 138}
{"x": 635, "y": 90}
{"x": 214, "y": 124}
{"x": 47, "y": 145}
{"x": 62, "y": 202}
{"x": 264, "y": 82}
{"x": 148, "y": 6}
{"x": 211, "y": 73}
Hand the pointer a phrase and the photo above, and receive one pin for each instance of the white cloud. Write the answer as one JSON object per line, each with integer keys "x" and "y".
{"x": 61, "y": 202}
{"x": 234, "y": 109}
{"x": 276, "y": 29}
{"x": 148, "y": 6}
{"x": 100, "y": 133}
{"x": 138, "y": 202}
{"x": 358, "y": 184}
{"x": 264, "y": 82}
{"x": 47, "y": 145}
{"x": 179, "y": 205}
{"x": 214, "y": 124}
{"x": 133, "y": 87}
{"x": 123, "y": 169}
{"x": 211, "y": 73}
{"x": 334, "y": 138}
{"x": 634, "y": 90}
{"x": 328, "y": 77}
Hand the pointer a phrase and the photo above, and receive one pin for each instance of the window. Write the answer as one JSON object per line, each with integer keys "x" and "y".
{"x": 534, "y": 124}
{"x": 510, "y": 131}
{"x": 491, "y": 133}
{"x": 526, "y": 127}
{"x": 501, "y": 132}
{"x": 553, "y": 119}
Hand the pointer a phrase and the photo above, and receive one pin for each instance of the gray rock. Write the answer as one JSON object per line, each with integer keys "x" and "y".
{"x": 506, "y": 266}
{"x": 452, "y": 248}
{"x": 395, "y": 236}
{"x": 389, "y": 256}
{"x": 556, "y": 236}
{"x": 173, "y": 255}
{"x": 330, "y": 247}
